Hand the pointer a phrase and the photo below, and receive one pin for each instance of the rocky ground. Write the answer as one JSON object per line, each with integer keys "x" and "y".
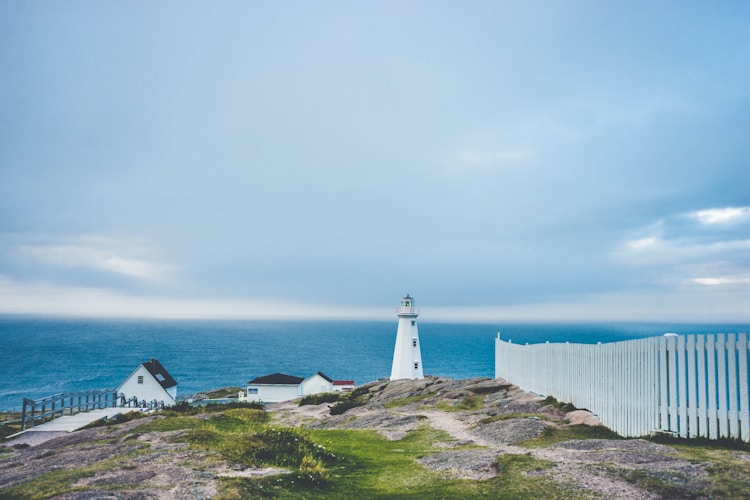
{"x": 482, "y": 419}
{"x": 493, "y": 416}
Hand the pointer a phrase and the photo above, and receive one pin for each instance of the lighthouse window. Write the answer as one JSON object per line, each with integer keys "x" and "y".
{"x": 414, "y": 342}
{"x": 416, "y": 366}
{"x": 413, "y": 323}
{"x": 407, "y": 303}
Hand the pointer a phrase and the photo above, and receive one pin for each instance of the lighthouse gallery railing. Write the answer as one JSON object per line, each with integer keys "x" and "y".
{"x": 692, "y": 386}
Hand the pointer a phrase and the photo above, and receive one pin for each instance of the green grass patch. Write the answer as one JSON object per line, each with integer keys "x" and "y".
{"x": 728, "y": 471}
{"x": 369, "y": 466}
{"x": 399, "y": 402}
{"x": 554, "y": 403}
{"x": 552, "y": 435}
{"x": 466, "y": 403}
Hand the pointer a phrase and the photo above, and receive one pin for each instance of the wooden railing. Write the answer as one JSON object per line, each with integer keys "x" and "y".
{"x": 70, "y": 403}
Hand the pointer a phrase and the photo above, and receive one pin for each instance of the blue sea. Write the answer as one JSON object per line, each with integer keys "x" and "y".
{"x": 44, "y": 356}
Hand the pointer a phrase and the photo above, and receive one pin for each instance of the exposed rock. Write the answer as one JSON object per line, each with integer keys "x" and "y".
{"x": 481, "y": 419}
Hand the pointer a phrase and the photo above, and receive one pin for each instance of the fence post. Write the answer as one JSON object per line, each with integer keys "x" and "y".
{"x": 734, "y": 415}
{"x": 744, "y": 409}
{"x": 721, "y": 351}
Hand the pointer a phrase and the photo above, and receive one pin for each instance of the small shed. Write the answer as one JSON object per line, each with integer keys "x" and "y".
{"x": 320, "y": 382}
{"x": 274, "y": 388}
{"x": 150, "y": 381}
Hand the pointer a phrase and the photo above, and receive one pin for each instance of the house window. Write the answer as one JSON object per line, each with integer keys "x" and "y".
{"x": 140, "y": 379}
{"x": 416, "y": 366}
{"x": 414, "y": 342}
{"x": 253, "y": 390}
{"x": 160, "y": 377}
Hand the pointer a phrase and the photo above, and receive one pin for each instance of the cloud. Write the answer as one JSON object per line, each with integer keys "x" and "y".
{"x": 113, "y": 256}
{"x": 643, "y": 243}
{"x": 718, "y": 281}
{"x": 19, "y": 297}
{"x": 721, "y": 215}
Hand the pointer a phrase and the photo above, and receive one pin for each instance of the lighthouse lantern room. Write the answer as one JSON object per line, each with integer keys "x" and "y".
{"x": 407, "y": 356}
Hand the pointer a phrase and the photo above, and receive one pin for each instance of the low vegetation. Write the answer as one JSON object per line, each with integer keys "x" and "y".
{"x": 316, "y": 399}
{"x": 358, "y": 397}
{"x": 284, "y": 460}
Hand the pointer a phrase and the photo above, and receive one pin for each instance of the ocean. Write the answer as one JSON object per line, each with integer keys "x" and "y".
{"x": 45, "y": 356}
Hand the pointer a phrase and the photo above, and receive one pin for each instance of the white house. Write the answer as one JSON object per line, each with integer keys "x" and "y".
{"x": 274, "y": 388}
{"x": 150, "y": 381}
{"x": 279, "y": 387}
{"x": 316, "y": 384}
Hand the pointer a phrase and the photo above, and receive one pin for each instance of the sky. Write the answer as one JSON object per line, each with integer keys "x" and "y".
{"x": 498, "y": 160}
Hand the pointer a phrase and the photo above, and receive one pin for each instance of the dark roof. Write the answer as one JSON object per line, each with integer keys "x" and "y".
{"x": 343, "y": 382}
{"x": 160, "y": 373}
{"x": 277, "y": 378}
{"x": 329, "y": 379}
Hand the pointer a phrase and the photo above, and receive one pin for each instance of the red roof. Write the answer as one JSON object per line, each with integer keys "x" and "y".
{"x": 343, "y": 382}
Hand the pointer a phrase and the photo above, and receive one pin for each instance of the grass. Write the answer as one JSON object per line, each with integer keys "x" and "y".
{"x": 399, "y": 402}
{"x": 552, "y": 435}
{"x": 469, "y": 402}
{"x": 369, "y": 466}
{"x": 727, "y": 470}
{"x": 337, "y": 464}
{"x": 60, "y": 482}
{"x": 554, "y": 403}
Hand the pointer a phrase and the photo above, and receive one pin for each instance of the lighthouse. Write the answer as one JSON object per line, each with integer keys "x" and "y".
{"x": 407, "y": 356}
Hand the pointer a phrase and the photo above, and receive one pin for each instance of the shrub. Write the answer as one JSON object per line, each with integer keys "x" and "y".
{"x": 203, "y": 436}
{"x": 358, "y": 397}
{"x": 312, "y": 471}
{"x": 316, "y": 399}
{"x": 285, "y": 447}
{"x": 554, "y": 403}
{"x": 185, "y": 408}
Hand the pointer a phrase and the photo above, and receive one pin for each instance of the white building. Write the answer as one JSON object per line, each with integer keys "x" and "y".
{"x": 279, "y": 387}
{"x": 407, "y": 355}
{"x": 274, "y": 388}
{"x": 150, "y": 381}
{"x": 316, "y": 384}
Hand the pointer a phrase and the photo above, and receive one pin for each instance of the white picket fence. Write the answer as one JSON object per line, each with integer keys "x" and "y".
{"x": 692, "y": 386}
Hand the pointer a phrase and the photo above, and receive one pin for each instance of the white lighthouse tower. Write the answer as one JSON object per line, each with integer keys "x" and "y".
{"x": 407, "y": 356}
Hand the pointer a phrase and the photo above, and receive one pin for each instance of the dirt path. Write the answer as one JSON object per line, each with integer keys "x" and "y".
{"x": 458, "y": 429}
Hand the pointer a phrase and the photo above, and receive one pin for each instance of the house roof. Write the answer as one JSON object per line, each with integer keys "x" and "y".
{"x": 277, "y": 379}
{"x": 326, "y": 377}
{"x": 343, "y": 382}
{"x": 159, "y": 373}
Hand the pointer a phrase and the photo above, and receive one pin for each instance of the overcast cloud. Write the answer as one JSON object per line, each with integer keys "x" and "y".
{"x": 498, "y": 160}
